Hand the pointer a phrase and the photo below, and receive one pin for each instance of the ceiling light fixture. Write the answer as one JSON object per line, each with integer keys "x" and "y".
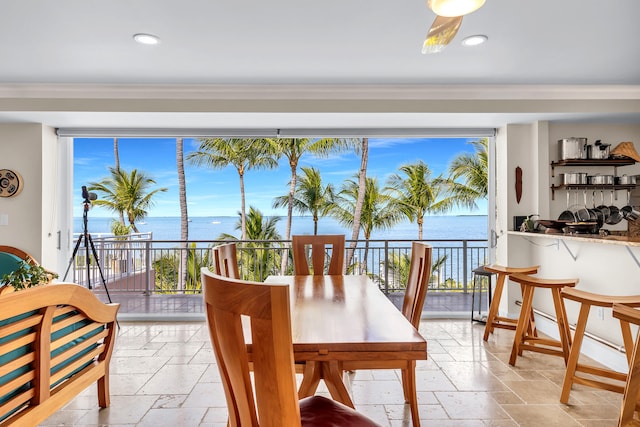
{"x": 450, "y": 8}
{"x": 474, "y": 40}
{"x": 143, "y": 38}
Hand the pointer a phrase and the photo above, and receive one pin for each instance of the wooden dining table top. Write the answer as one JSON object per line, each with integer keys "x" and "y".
{"x": 347, "y": 318}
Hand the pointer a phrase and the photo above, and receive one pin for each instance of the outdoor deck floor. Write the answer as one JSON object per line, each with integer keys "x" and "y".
{"x": 136, "y": 306}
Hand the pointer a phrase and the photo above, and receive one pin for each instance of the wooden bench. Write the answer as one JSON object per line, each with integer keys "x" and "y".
{"x": 55, "y": 341}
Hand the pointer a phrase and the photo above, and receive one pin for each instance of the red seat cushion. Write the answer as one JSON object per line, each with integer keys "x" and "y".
{"x": 318, "y": 411}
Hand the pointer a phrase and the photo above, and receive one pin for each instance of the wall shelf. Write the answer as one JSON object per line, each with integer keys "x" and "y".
{"x": 591, "y": 162}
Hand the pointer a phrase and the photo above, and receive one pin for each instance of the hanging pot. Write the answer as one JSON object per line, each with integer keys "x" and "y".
{"x": 567, "y": 214}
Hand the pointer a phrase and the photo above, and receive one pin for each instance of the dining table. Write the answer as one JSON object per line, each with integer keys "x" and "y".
{"x": 340, "y": 319}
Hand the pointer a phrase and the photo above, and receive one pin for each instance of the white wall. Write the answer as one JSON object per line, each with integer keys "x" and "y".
{"x": 31, "y": 150}
{"x": 521, "y": 146}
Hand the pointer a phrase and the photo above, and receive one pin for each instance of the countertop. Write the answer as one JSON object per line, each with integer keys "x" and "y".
{"x": 590, "y": 238}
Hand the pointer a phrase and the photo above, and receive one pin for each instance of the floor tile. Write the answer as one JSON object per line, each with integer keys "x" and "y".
{"x": 165, "y": 374}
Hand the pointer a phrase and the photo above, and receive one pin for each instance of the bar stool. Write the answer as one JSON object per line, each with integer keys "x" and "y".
{"x": 531, "y": 342}
{"x": 587, "y": 300}
{"x": 493, "y": 320}
{"x": 480, "y": 272}
{"x": 628, "y": 315}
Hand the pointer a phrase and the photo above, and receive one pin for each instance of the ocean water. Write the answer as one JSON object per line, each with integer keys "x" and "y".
{"x": 467, "y": 227}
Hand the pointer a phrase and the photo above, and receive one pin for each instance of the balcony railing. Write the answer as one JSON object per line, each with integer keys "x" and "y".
{"x": 139, "y": 264}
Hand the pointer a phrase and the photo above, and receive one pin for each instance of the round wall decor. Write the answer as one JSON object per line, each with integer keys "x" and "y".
{"x": 11, "y": 183}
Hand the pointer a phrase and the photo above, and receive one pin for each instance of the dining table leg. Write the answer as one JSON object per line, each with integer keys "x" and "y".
{"x": 329, "y": 371}
{"x": 332, "y": 374}
{"x": 310, "y": 379}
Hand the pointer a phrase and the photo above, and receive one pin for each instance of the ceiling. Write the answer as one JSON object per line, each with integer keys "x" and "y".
{"x": 330, "y": 63}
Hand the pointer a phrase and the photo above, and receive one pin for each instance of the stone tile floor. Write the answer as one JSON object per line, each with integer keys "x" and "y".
{"x": 164, "y": 374}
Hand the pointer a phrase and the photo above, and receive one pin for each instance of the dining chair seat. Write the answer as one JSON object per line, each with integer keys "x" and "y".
{"x": 271, "y": 399}
{"x": 321, "y": 247}
{"x": 318, "y": 411}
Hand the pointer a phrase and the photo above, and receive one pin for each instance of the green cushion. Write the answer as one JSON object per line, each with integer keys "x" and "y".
{"x": 8, "y": 264}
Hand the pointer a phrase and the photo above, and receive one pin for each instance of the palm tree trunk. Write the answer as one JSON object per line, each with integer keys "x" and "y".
{"x": 292, "y": 191}
{"x": 184, "y": 223}
{"x": 116, "y": 155}
{"x": 362, "y": 182}
{"x": 243, "y": 216}
{"x": 420, "y": 222}
{"x": 365, "y": 257}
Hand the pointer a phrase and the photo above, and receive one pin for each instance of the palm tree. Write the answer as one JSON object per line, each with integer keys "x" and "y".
{"x": 293, "y": 149}
{"x": 243, "y": 154}
{"x": 128, "y": 193}
{"x": 473, "y": 170}
{"x": 363, "y": 150}
{"x": 116, "y": 156}
{"x": 417, "y": 193}
{"x": 310, "y": 196}
{"x": 378, "y": 210}
{"x": 259, "y": 261}
{"x": 184, "y": 223}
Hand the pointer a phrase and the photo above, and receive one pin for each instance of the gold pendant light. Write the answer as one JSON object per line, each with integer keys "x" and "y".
{"x": 450, "y": 8}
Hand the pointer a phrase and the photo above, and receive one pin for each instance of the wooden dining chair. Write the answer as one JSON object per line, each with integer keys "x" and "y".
{"x": 630, "y": 405}
{"x": 415, "y": 294}
{"x": 319, "y": 246}
{"x": 225, "y": 260}
{"x": 271, "y": 400}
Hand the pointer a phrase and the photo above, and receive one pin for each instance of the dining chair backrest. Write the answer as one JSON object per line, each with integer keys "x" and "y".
{"x": 225, "y": 260}
{"x": 417, "y": 283}
{"x": 267, "y": 307}
{"x": 319, "y": 245}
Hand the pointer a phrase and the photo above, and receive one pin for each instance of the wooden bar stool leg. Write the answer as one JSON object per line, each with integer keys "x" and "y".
{"x": 495, "y": 303}
{"x": 574, "y": 354}
{"x": 523, "y": 322}
{"x": 563, "y": 326}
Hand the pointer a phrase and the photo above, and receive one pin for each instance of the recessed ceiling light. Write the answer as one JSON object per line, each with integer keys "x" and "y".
{"x": 143, "y": 38}
{"x": 474, "y": 40}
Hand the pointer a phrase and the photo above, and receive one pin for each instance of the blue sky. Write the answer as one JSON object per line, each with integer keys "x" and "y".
{"x": 216, "y": 192}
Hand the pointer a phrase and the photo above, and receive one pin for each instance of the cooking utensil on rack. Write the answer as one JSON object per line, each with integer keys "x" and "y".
{"x": 599, "y": 215}
{"x": 603, "y": 208}
{"x": 582, "y": 212}
{"x": 567, "y": 214}
{"x": 628, "y": 212}
{"x": 615, "y": 216}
